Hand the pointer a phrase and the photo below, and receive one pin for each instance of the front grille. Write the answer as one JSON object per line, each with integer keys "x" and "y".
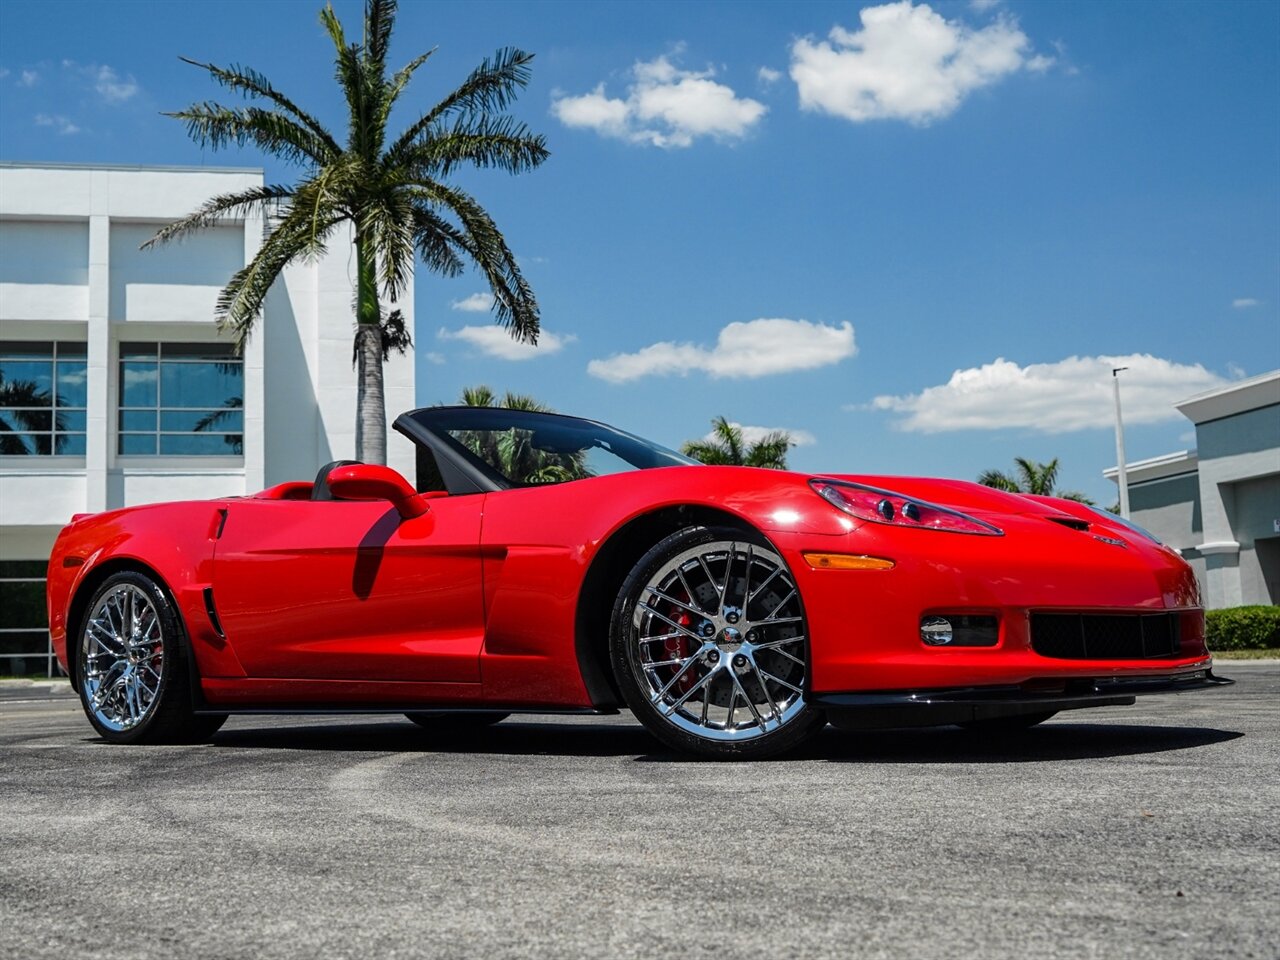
{"x": 1072, "y": 636}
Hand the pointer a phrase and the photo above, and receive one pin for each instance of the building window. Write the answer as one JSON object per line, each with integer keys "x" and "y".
{"x": 42, "y": 398}
{"x": 24, "y": 624}
{"x": 181, "y": 400}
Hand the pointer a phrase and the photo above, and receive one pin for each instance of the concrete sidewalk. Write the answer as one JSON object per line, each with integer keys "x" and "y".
{"x": 40, "y": 688}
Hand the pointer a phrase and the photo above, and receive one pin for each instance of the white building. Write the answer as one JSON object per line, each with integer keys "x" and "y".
{"x": 1219, "y": 504}
{"x": 115, "y": 386}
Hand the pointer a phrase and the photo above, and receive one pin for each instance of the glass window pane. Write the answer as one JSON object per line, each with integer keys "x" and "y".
{"x": 197, "y": 351}
{"x": 70, "y": 421}
{"x": 138, "y": 420}
{"x": 138, "y": 351}
{"x": 72, "y": 375}
{"x": 23, "y": 605}
{"x": 69, "y": 444}
{"x": 71, "y": 348}
{"x": 29, "y": 421}
{"x": 26, "y": 383}
{"x": 23, "y": 568}
{"x": 25, "y": 348}
{"x": 24, "y": 444}
{"x": 138, "y": 384}
{"x": 201, "y": 444}
{"x": 204, "y": 385}
{"x": 226, "y": 420}
{"x": 138, "y": 444}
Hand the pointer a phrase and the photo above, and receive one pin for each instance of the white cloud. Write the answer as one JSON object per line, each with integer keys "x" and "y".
{"x": 494, "y": 341}
{"x": 756, "y": 348}
{"x": 750, "y": 434}
{"x": 112, "y": 87}
{"x": 59, "y": 122}
{"x": 1235, "y": 371}
{"x": 4, "y": 72}
{"x": 476, "y": 303}
{"x": 1072, "y": 394}
{"x": 664, "y": 107}
{"x": 982, "y": 6}
{"x": 768, "y": 76}
{"x": 109, "y": 84}
{"x": 1244, "y": 303}
{"x": 437, "y": 358}
{"x": 906, "y": 63}
{"x": 29, "y": 78}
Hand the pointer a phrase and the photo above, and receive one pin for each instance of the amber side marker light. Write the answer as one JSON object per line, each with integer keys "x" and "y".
{"x": 846, "y": 561}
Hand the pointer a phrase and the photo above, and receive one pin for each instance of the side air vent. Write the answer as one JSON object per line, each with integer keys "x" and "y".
{"x": 212, "y": 611}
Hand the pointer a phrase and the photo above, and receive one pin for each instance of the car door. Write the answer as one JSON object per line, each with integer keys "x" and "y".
{"x": 347, "y": 590}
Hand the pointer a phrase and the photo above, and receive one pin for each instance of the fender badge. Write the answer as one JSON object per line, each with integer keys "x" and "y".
{"x": 1111, "y": 540}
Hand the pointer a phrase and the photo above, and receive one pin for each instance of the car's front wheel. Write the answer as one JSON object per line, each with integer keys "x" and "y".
{"x": 709, "y": 646}
{"x": 135, "y": 685}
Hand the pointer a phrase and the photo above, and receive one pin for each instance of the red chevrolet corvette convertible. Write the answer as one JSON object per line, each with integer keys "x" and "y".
{"x": 544, "y": 563}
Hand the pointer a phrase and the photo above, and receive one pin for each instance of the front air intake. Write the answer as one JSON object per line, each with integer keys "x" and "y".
{"x": 1071, "y": 636}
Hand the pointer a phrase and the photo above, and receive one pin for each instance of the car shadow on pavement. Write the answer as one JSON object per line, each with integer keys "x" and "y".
{"x": 516, "y": 737}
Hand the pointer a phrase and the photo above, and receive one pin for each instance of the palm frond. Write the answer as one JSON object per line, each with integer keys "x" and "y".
{"x": 214, "y": 126}
{"x": 251, "y": 83}
{"x": 379, "y": 18}
{"x": 226, "y": 205}
{"x": 490, "y": 88}
{"x": 515, "y": 306}
{"x": 999, "y": 480}
{"x": 770, "y": 451}
{"x": 483, "y": 142}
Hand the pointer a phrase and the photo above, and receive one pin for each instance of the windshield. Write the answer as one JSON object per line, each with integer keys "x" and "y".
{"x": 530, "y": 449}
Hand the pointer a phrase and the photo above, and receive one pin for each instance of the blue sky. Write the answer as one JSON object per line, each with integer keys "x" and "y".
{"x": 913, "y": 234}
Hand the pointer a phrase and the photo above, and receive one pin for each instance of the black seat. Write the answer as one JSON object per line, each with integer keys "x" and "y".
{"x": 320, "y": 489}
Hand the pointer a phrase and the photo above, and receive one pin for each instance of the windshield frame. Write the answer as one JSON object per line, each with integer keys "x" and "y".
{"x": 463, "y": 472}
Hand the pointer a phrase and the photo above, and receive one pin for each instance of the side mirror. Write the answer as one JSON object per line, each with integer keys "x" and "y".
{"x": 369, "y": 481}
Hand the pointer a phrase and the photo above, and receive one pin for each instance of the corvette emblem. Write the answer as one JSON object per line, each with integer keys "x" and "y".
{"x": 1111, "y": 540}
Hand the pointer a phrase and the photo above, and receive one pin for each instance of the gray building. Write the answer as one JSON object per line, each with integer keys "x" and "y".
{"x": 1219, "y": 504}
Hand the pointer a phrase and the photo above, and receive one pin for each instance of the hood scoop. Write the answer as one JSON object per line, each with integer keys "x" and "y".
{"x": 1073, "y": 522}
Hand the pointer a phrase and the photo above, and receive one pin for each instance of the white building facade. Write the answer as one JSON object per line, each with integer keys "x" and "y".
{"x": 1219, "y": 504}
{"x": 117, "y": 389}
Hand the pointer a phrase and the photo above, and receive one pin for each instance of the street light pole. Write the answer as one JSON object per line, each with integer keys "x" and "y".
{"x": 1120, "y": 464}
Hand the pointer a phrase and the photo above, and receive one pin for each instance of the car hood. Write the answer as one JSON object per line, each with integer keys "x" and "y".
{"x": 966, "y": 496}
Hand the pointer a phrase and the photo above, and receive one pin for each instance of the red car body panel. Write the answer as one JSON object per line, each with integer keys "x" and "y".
{"x": 477, "y": 601}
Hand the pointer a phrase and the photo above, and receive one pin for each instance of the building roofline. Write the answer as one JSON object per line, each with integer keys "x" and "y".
{"x": 135, "y": 167}
{"x": 1239, "y": 397}
{"x": 1157, "y": 468}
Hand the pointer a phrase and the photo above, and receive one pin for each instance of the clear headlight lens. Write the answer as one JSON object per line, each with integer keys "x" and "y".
{"x": 884, "y": 506}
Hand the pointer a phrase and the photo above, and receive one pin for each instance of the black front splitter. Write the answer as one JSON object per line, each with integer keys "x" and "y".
{"x": 928, "y": 708}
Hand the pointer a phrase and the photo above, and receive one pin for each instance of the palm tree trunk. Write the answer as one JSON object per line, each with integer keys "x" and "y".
{"x": 371, "y": 407}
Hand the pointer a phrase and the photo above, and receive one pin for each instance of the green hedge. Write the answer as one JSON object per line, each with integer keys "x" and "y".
{"x": 1242, "y": 628}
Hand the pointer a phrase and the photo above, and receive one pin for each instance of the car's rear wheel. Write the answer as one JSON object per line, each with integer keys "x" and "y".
{"x": 443, "y": 720}
{"x": 135, "y": 685}
{"x": 709, "y": 646}
{"x": 1022, "y": 721}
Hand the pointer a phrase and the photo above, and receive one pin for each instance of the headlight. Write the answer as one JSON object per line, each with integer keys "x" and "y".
{"x": 884, "y": 506}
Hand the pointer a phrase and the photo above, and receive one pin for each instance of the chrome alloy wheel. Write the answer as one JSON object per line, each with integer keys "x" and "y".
{"x": 718, "y": 642}
{"x": 122, "y": 658}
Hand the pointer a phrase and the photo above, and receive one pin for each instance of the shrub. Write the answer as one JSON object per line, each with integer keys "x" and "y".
{"x": 1242, "y": 628}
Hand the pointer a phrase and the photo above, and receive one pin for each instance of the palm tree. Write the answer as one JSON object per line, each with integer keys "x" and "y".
{"x": 394, "y": 193}
{"x": 512, "y": 452}
{"x": 727, "y": 447}
{"x": 34, "y": 413}
{"x": 1031, "y": 477}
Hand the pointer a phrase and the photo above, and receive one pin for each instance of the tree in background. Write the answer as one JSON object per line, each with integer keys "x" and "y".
{"x": 1031, "y": 477}
{"x": 727, "y": 447}
{"x": 511, "y": 452}
{"x": 25, "y": 408}
{"x": 393, "y": 192}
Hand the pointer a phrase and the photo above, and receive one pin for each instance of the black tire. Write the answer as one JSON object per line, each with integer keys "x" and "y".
{"x": 1014, "y": 724}
{"x": 739, "y": 670}
{"x": 168, "y": 716}
{"x": 459, "y": 722}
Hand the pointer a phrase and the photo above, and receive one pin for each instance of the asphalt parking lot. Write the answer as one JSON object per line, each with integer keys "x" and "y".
{"x": 1144, "y": 831}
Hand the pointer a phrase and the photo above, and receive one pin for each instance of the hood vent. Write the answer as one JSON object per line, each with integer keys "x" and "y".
{"x": 1072, "y": 522}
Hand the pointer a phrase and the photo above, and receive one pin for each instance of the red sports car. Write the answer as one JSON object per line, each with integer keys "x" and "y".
{"x": 544, "y": 563}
